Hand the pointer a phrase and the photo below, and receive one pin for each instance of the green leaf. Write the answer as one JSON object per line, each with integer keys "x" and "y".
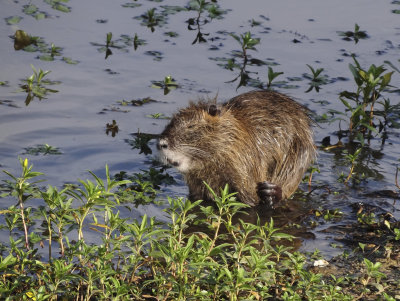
{"x": 13, "y": 20}
{"x": 46, "y": 58}
{"x": 40, "y": 16}
{"x": 70, "y": 61}
{"x": 30, "y": 9}
{"x": 386, "y": 79}
{"x": 61, "y": 8}
{"x": 9, "y": 260}
{"x": 347, "y": 105}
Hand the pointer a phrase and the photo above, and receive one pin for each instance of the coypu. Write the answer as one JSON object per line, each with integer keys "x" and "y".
{"x": 260, "y": 143}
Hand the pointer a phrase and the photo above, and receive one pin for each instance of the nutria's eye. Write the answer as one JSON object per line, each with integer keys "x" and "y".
{"x": 190, "y": 126}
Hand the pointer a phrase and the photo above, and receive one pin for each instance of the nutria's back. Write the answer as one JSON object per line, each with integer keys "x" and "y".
{"x": 260, "y": 143}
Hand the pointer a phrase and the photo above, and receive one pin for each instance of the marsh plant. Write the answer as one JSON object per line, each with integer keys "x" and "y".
{"x": 271, "y": 76}
{"x": 316, "y": 79}
{"x": 202, "y": 6}
{"x": 48, "y": 255}
{"x": 371, "y": 84}
{"x": 355, "y": 35}
{"x": 35, "y": 85}
{"x": 167, "y": 85}
{"x": 247, "y": 42}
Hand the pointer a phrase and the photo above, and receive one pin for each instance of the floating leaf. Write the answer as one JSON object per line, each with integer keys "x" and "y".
{"x": 70, "y": 61}
{"x": 46, "y": 58}
{"x": 62, "y": 8}
{"x": 44, "y": 149}
{"x": 30, "y": 9}
{"x": 131, "y": 5}
{"x": 40, "y": 16}
{"x": 13, "y": 20}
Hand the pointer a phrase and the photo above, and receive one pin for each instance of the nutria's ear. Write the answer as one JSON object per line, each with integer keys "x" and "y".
{"x": 213, "y": 110}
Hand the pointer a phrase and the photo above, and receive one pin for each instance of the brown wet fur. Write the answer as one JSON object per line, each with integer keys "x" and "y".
{"x": 256, "y": 137}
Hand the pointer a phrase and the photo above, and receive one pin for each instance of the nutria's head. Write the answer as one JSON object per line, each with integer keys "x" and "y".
{"x": 190, "y": 139}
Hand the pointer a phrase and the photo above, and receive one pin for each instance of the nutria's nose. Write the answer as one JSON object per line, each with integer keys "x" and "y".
{"x": 162, "y": 144}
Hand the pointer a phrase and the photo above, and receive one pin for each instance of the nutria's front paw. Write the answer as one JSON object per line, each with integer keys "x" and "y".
{"x": 269, "y": 193}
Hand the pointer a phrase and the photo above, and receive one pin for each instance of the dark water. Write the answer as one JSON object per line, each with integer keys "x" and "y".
{"x": 292, "y": 34}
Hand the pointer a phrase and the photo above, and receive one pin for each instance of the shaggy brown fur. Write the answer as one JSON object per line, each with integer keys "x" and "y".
{"x": 260, "y": 143}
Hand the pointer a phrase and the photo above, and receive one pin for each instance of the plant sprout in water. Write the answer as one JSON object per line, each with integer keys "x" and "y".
{"x": 168, "y": 84}
{"x": 356, "y": 35}
{"x": 35, "y": 85}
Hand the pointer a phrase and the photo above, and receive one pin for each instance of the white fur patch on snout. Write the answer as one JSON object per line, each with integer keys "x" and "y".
{"x": 176, "y": 159}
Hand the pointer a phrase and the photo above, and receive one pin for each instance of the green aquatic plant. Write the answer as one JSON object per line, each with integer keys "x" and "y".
{"x": 157, "y": 116}
{"x": 202, "y": 6}
{"x": 151, "y": 19}
{"x": 33, "y": 10}
{"x": 23, "y": 41}
{"x": 35, "y": 85}
{"x": 121, "y": 44}
{"x": 138, "y": 42}
{"x": 371, "y": 83}
{"x": 167, "y": 85}
{"x": 44, "y": 149}
{"x": 316, "y": 79}
{"x": 13, "y": 20}
{"x": 355, "y": 35}
{"x": 271, "y": 76}
{"x": 136, "y": 102}
{"x": 59, "y": 5}
{"x": 109, "y": 43}
{"x": 51, "y": 53}
{"x": 247, "y": 42}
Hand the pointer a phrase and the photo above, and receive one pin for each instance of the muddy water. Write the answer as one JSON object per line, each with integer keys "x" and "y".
{"x": 292, "y": 34}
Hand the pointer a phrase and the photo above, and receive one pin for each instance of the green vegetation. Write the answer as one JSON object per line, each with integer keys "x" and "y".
{"x": 44, "y": 149}
{"x": 35, "y": 85}
{"x": 370, "y": 85}
{"x": 355, "y": 35}
{"x": 316, "y": 79}
{"x": 167, "y": 85}
{"x": 48, "y": 255}
{"x": 23, "y": 41}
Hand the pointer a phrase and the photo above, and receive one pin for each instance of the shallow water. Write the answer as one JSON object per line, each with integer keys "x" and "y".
{"x": 293, "y": 34}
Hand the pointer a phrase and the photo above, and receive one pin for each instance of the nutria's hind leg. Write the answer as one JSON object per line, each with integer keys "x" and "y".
{"x": 269, "y": 193}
